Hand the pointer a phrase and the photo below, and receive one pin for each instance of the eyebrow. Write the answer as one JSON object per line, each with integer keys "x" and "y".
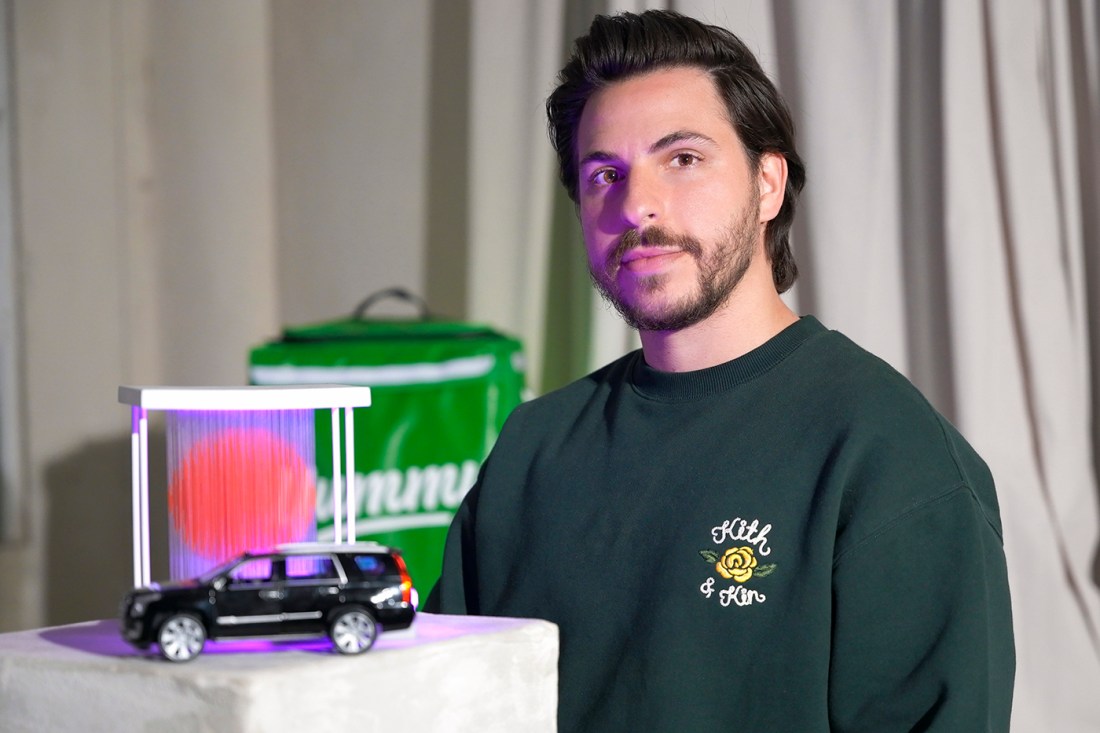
{"x": 667, "y": 141}
{"x": 680, "y": 136}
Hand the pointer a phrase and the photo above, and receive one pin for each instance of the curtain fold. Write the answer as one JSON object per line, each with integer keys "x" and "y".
{"x": 1021, "y": 336}
{"x": 515, "y": 52}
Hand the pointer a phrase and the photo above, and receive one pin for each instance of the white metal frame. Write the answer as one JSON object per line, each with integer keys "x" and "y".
{"x": 14, "y": 500}
{"x": 312, "y": 397}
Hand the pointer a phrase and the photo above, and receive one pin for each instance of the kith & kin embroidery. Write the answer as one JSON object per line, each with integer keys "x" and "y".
{"x": 738, "y": 564}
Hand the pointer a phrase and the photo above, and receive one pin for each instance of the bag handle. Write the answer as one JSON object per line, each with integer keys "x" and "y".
{"x": 397, "y": 293}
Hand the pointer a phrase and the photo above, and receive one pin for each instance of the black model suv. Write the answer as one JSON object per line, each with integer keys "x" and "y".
{"x": 346, "y": 591}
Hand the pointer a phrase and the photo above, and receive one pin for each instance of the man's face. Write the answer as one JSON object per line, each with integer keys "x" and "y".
{"x": 668, "y": 204}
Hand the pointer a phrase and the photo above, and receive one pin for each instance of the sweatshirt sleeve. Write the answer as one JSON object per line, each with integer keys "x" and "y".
{"x": 922, "y": 627}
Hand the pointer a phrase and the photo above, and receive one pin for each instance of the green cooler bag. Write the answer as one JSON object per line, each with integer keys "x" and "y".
{"x": 440, "y": 392}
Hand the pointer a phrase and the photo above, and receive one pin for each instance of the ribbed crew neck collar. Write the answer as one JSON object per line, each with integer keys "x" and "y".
{"x": 688, "y": 386}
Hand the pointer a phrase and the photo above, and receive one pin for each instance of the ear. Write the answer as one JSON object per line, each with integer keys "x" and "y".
{"x": 771, "y": 180}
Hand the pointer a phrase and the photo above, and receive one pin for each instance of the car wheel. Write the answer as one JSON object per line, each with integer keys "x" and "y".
{"x": 353, "y": 631}
{"x": 181, "y": 637}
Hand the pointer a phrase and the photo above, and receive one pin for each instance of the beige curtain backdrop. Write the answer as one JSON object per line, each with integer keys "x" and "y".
{"x": 187, "y": 177}
{"x": 949, "y": 225}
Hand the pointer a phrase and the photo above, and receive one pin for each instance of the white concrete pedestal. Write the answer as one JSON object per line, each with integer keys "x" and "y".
{"x": 447, "y": 674}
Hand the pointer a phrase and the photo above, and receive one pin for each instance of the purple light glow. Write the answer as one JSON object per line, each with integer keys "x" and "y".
{"x": 253, "y": 646}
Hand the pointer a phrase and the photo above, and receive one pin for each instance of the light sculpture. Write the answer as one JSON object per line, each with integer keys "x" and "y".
{"x": 241, "y": 470}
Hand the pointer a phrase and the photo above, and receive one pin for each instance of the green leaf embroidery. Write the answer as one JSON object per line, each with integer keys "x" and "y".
{"x": 764, "y": 570}
{"x": 709, "y": 555}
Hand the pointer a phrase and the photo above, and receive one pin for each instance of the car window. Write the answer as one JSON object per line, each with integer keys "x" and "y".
{"x": 311, "y": 567}
{"x": 214, "y": 572}
{"x": 370, "y": 565}
{"x": 250, "y": 572}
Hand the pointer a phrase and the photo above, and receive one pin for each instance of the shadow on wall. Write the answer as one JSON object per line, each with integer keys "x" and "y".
{"x": 1096, "y": 567}
{"x": 89, "y": 547}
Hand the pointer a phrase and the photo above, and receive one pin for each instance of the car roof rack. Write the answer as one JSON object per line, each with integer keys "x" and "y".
{"x": 307, "y": 547}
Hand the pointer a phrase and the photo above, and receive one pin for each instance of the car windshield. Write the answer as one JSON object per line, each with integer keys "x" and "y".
{"x": 225, "y": 567}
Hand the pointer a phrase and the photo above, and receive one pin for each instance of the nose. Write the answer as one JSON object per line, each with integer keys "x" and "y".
{"x": 642, "y": 201}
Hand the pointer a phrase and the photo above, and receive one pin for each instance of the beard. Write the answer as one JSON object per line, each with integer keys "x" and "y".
{"x": 719, "y": 273}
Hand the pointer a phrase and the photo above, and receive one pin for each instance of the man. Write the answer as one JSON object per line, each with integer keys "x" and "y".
{"x": 751, "y": 524}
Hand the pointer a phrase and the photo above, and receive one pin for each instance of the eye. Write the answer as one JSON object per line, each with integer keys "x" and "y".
{"x": 605, "y": 177}
{"x": 685, "y": 160}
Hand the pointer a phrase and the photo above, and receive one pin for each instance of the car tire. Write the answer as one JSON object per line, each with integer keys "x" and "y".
{"x": 353, "y": 631}
{"x": 181, "y": 637}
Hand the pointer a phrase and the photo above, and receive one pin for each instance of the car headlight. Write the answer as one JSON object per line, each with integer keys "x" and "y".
{"x": 142, "y": 602}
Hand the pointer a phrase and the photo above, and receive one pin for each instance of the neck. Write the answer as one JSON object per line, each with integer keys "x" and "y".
{"x": 749, "y": 318}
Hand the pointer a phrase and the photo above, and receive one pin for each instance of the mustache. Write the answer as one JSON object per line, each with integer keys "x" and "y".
{"x": 652, "y": 237}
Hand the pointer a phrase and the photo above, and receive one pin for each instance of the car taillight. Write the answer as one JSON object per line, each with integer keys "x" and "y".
{"x": 406, "y": 580}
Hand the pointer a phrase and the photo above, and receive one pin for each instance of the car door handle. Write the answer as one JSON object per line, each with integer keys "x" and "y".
{"x": 272, "y": 595}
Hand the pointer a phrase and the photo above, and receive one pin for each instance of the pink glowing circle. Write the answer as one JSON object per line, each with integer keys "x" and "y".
{"x": 241, "y": 490}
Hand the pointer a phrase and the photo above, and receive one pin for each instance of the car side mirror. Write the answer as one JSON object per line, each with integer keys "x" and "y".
{"x": 219, "y": 583}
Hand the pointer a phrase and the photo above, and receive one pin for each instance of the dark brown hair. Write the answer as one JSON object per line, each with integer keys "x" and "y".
{"x": 626, "y": 45}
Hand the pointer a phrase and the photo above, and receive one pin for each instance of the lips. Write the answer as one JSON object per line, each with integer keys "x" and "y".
{"x": 644, "y": 253}
{"x": 647, "y": 259}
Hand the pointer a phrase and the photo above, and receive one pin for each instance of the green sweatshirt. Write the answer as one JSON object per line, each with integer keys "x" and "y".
{"x": 793, "y": 541}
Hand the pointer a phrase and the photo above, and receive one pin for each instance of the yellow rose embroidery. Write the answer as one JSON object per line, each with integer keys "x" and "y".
{"x": 737, "y": 563}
